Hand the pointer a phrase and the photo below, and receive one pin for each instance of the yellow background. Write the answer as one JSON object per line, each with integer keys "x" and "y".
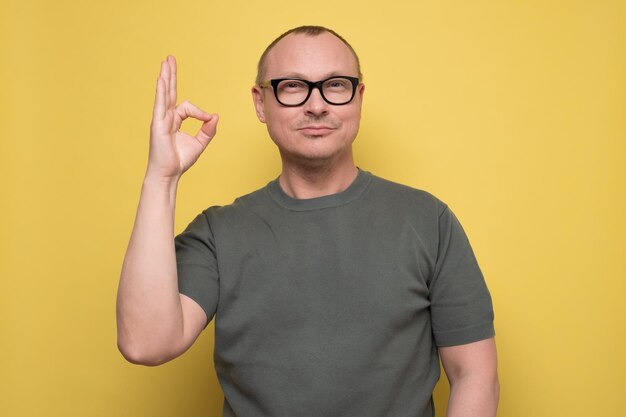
{"x": 513, "y": 112}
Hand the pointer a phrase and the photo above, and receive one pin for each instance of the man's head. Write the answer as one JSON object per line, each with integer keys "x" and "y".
{"x": 304, "y": 30}
{"x": 323, "y": 127}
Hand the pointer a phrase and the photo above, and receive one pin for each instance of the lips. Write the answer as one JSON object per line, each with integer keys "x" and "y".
{"x": 316, "y": 130}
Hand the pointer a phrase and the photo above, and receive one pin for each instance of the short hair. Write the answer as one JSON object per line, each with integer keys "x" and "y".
{"x": 306, "y": 30}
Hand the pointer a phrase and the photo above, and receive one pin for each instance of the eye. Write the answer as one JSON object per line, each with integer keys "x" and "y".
{"x": 292, "y": 86}
{"x": 338, "y": 84}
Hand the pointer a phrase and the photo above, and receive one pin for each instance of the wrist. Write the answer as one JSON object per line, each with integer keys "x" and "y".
{"x": 155, "y": 186}
{"x": 155, "y": 180}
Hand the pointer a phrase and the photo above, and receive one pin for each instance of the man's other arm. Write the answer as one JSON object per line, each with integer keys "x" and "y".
{"x": 473, "y": 375}
{"x": 154, "y": 322}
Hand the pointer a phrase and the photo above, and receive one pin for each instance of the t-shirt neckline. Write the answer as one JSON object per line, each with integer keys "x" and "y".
{"x": 346, "y": 196}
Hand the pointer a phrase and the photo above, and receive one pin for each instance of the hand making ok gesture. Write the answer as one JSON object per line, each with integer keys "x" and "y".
{"x": 173, "y": 152}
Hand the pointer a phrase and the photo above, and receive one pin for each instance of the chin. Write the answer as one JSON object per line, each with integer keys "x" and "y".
{"x": 314, "y": 158}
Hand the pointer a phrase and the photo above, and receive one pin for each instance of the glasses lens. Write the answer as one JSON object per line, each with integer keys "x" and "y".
{"x": 292, "y": 92}
{"x": 337, "y": 90}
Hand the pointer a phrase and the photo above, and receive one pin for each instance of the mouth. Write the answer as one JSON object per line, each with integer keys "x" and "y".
{"x": 316, "y": 130}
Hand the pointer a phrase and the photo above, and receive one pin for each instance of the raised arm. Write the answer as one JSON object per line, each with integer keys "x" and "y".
{"x": 154, "y": 322}
{"x": 473, "y": 375}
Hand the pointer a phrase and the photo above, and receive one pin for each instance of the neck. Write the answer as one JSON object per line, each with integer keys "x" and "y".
{"x": 310, "y": 181}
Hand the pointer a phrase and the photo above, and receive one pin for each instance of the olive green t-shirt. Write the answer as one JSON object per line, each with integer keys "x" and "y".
{"x": 333, "y": 306}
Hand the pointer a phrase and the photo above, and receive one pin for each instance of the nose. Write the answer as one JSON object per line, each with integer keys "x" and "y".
{"x": 315, "y": 105}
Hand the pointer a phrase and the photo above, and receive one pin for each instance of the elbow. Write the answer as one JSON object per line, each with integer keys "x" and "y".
{"x": 140, "y": 355}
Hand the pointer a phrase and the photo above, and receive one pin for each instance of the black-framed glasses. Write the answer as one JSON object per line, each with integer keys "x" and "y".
{"x": 293, "y": 92}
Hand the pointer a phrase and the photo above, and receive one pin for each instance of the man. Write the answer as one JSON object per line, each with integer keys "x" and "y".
{"x": 334, "y": 291}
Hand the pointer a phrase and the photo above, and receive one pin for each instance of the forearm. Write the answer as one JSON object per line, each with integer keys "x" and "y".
{"x": 474, "y": 396}
{"x": 149, "y": 312}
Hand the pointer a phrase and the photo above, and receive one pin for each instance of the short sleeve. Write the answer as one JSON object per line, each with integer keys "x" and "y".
{"x": 460, "y": 303}
{"x": 196, "y": 263}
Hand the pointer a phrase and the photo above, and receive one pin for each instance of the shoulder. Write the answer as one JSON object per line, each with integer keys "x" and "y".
{"x": 240, "y": 208}
{"x": 394, "y": 193}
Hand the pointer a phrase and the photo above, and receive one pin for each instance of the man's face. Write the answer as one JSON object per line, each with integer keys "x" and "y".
{"x": 315, "y": 132}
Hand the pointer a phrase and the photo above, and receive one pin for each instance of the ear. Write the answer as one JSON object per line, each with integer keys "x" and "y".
{"x": 360, "y": 90}
{"x": 259, "y": 104}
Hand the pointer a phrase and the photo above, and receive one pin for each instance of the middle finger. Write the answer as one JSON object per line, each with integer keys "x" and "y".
{"x": 172, "y": 88}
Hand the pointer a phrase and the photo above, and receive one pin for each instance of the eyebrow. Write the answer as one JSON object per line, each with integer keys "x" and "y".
{"x": 297, "y": 75}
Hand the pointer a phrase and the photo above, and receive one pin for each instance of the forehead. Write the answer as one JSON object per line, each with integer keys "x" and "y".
{"x": 311, "y": 57}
